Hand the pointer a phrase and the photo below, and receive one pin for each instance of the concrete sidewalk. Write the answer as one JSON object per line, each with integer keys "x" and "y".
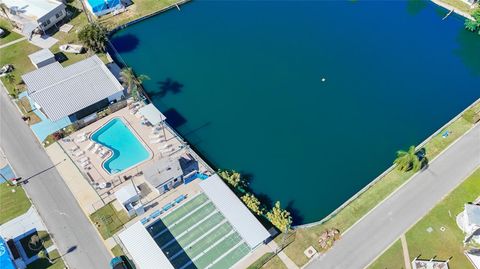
{"x": 85, "y": 195}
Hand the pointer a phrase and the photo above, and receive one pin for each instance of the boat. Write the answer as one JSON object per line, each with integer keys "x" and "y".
{"x": 6, "y": 69}
{"x": 72, "y": 48}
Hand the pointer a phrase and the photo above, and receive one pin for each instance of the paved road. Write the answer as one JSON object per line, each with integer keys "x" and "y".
{"x": 54, "y": 201}
{"x": 368, "y": 238}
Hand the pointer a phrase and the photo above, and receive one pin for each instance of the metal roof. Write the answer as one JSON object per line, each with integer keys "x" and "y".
{"x": 162, "y": 171}
{"x": 244, "y": 222}
{"x": 40, "y": 56}
{"x": 152, "y": 114}
{"x": 34, "y": 9}
{"x": 473, "y": 214}
{"x": 126, "y": 193}
{"x": 62, "y": 91}
{"x": 144, "y": 251}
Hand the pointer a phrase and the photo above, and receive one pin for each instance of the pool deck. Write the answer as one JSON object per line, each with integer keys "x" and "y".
{"x": 97, "y": 176}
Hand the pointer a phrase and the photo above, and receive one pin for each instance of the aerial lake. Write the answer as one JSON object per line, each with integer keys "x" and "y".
{"x": 310, "y": 99}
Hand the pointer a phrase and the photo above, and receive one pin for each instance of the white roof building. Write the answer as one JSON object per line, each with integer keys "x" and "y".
{"x": 62, "y": 91}
{"x": 30, "y": 14}
{"x": 239, "y": 216}
{"x": 143, "y": 249}
{"x": 469, "y": 222}
{"x": 42, "y": 58}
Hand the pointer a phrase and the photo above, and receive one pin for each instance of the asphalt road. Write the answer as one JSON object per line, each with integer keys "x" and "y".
{"x": 382, "y": 226}
{"x": 75, "y": 236}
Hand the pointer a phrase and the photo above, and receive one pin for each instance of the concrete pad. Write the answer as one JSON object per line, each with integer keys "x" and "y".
{"x": 22, "y": 224}
{"x": 78, "y": 185}
{"x": 66, "y": 28}
{"x": 44, "y": 42}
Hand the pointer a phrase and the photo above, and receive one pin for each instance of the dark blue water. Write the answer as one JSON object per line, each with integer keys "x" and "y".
{"x": 242, "y": 81}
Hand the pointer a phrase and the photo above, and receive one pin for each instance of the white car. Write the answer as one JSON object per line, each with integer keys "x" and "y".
{"x": 2, "y": 32}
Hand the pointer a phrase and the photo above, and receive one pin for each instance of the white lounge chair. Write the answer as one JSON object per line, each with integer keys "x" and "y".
{"x": 156, "y": 141}
{"x": 85, "y": 164}
{"x": 78, "y": 153}
{"x": 72, "y": 149}
{"x": 81, "y": 135}
{"x": 154, "y": 136}
{"x": 90, "y": 146}
{"x": 104, "y": 153}
{"x": 156, "y": 128}
{"x": 82, "y": 160}
{"x": 82, "y": 139}
{"x": 165, "y": 146}
{"x": 96, "y": 147}
{"x": 167, "y": 150}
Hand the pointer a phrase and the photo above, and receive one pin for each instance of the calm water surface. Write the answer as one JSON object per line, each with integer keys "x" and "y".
{"x": 242, "y": 82}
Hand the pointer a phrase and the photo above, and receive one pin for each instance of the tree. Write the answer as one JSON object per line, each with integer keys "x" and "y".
{"x": 232, "y": 177}
{"x": 474, "y": 25}
{"x": 253, "y": 203}
{"x": 280, "y": 218}
{"x": 42, "y": 254}
{"x": 5, "y": 11}
{"x": 132, "y": 82}
{"x": 94, "y": 37}
{"x": 10, "y": 79}
{"x": 407, "y": 160}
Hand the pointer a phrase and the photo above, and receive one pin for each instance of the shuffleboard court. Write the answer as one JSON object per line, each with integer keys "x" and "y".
{"x": 197, "y": 235}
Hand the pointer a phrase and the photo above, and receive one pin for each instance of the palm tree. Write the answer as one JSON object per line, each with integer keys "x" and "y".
{"x": 407, "y": 160}
{"x": 5, "y": 11}
{"x": 94, "y": 36}
{"x": 132, "y": 82}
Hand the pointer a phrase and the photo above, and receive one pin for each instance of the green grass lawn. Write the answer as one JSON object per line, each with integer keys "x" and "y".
{"x": 108, "y": 221}
{"x": 11, "y": 36}
{"x": 459, "y": 5}
{"x": 17, "y": 54}
{"x": 370, "y": 198}
{"x": 45, "y": 264}
{"x": 440, "y": 244}
{"x": 13, "y": 204}
{"x": 275, "y": 263}
{"x": 139, "y": 9}
{"x": 390, "y": 259}
{"x": 117, "y": 251}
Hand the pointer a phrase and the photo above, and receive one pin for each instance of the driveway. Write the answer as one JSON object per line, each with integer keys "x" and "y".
{"x": 382, "y": 226}
{"x": 76, "y": 238}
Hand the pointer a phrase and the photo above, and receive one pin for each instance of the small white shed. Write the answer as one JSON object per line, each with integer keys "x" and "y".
{"x": 42, "y": 58}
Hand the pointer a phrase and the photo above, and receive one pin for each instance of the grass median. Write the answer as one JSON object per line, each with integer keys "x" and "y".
{"x": 14, "y": 202}
{"x": 346, "y": 217}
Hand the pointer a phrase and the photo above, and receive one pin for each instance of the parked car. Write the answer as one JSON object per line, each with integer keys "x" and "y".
{"x": 120, "y": 262}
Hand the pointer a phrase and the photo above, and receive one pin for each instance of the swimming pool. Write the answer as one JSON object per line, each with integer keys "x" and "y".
{"x": 127, "y": 149}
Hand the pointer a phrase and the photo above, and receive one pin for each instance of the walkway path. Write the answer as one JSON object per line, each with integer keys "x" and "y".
{"x": 13, "y": 42}
{"x": 406, "y": 255}
{"x": 285, "y": 259}
{"x": 52, "y": 198}
{"x": 385, "y": 223}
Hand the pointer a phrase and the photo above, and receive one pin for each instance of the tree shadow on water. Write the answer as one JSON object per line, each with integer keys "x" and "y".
{"x": 297, "y": 217}
{"x": 125, "y": 43}
{"x": 168, "y": 85}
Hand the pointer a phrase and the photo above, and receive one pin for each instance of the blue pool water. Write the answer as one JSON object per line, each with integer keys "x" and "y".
{"x": 127, "y": 150}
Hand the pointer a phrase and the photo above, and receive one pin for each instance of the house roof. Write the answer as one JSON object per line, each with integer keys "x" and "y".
{"x": 62, "y": 91}
{"x": 126, "y": 193}
{"x": 40, "y": 56}
{"x": 144, "y": 251}
{"x": 162, "y": 171}
{"x": 152, "y": 114}
{"x": 244, "y": 222}
{"x": 472, "y": 213}
{"x": 33, "y": 9}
